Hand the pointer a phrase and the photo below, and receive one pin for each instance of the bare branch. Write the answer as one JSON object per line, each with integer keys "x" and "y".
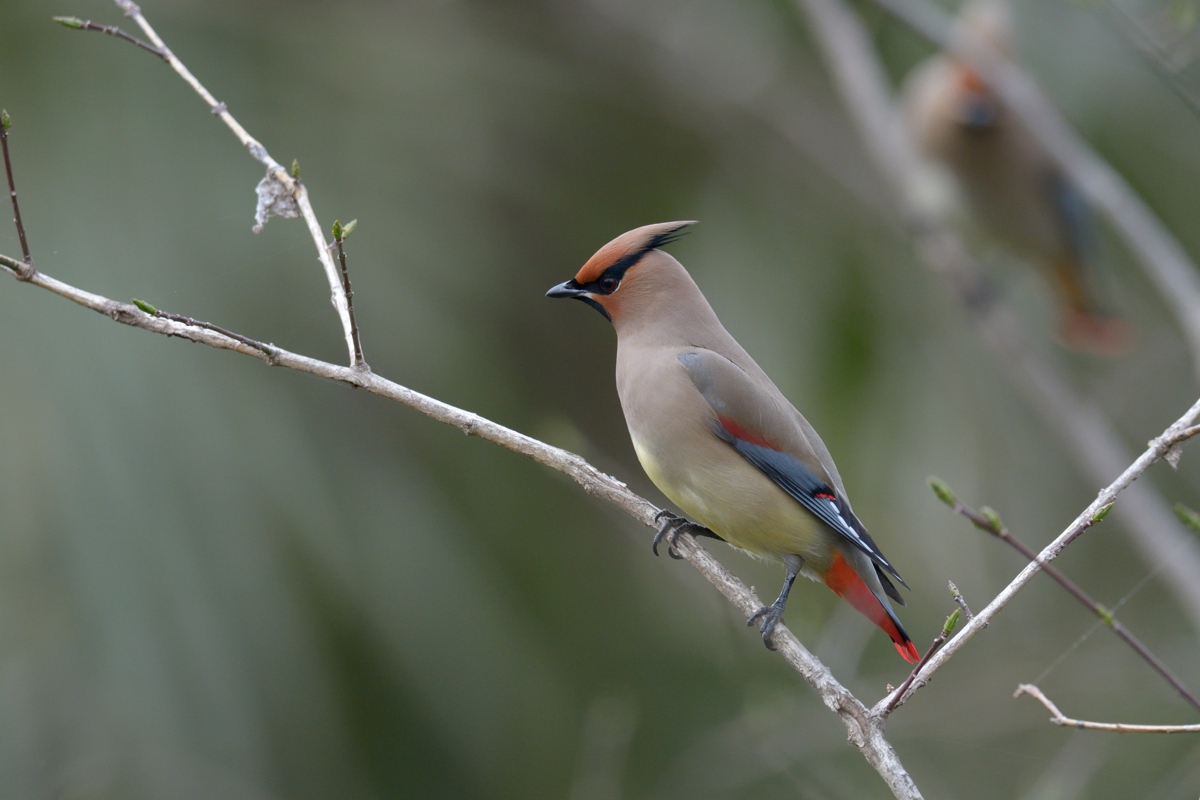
{"x": 1059, "y": 718}
{"x": 860, "y": 79}
{"x": 1158, "y": 448}
{"x": 77, "y": 24}
{"x": 25, "y": 270}
{"x": 938, "y": 641}
{"x": 988, "y": 520}
{"x": 275, "y": 171}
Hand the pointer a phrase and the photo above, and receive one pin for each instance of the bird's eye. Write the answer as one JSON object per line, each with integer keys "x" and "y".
{"x": 609, "y": 284}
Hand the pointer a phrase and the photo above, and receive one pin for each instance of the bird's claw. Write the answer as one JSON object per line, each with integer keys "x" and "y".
{"x": 770, "y": 616}
{"x": 672, "y": 525}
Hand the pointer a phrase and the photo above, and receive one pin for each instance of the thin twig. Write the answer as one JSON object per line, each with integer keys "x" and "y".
{"x": 87, "y": 25}
{"x": 1092, "y": 438}
{"x": 936, "y": 645}
{"x": 1156, "y": 451}
{"x": 340, "y": 234}
{"x": 26, "y": 270}
{"x": 962, "y": 603}
{"x": 275, "y": 171}
{"x": 1059, "y": 718}
{"x": 266, "y": 349}
{"x": 988, "y": 521}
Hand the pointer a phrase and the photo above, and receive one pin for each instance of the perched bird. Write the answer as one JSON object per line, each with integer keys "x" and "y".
{"x": 720, "y": 440}
{"x": 1014, "y": 192}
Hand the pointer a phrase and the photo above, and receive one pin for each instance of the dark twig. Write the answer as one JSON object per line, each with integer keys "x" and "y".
{"x": 26, "y": 270}
{"x": 340, "y": 235}
{"x": 987, "y": 520}
{"x": 76, "y": 24}
{"x": 1116, "y": 727}
{"x": 267, "y": 350}
{"x": 939, "y": 640}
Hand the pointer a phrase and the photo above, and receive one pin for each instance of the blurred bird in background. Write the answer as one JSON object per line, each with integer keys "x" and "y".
{"x": 1014, "y": 192}
{"x": 720, "y": 440}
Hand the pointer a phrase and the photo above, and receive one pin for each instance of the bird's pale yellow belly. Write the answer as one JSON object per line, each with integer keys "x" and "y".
{"x": 737, "y": 502}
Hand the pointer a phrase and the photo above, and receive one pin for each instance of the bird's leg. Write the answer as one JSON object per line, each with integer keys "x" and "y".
{"x": 770, "y": 615}
{"x": 673, "y": 525}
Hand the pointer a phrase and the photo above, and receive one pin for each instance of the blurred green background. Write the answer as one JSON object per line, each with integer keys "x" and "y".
{"x": 222, "y": 580}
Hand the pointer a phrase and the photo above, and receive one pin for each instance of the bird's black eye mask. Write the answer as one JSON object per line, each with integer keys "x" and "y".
{"x": 610, "y": 280}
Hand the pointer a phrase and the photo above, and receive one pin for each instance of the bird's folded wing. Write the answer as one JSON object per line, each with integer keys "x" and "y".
{"x": 759, "y": 426}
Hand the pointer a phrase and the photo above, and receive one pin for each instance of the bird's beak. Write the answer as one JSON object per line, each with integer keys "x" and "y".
{"x": 567, "y": 289}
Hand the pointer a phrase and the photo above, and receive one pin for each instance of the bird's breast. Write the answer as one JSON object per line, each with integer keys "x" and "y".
{"x": 670, "y": 425}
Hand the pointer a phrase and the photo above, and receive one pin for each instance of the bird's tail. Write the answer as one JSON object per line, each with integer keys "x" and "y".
{"x": 1082, "y": 326}
{"x": 848, "y": 585}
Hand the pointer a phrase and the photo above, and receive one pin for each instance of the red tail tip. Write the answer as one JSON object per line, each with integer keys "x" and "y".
{"x": 908, "y": 651}
{"x": 1095, "y": 334}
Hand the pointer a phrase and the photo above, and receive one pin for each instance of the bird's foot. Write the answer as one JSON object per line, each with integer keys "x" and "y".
{"x": 673, "y": 525}
{"x": 770, "y": 616}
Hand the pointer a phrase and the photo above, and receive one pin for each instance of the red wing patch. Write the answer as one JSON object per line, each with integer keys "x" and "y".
{"x": 738, "y": 432}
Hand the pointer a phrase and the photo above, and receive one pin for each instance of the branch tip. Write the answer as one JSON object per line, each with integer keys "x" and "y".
{"x": 992, "y": 517}
{"x": 943, "y": 491}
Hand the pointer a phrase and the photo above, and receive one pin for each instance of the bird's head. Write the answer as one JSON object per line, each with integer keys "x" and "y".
{"x": 982, "y": 25}
{"x": 619, "y": 279}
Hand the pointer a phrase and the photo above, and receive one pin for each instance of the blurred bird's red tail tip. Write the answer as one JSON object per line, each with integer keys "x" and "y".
{"x": 1095, "y": 333}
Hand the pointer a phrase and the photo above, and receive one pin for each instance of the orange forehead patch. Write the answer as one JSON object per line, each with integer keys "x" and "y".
{"x": 629, "y": 247}
{"x": 969, "y": 81}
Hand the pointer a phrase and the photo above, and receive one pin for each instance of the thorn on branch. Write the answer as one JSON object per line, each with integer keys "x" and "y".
{"x": 77, "y": 24}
